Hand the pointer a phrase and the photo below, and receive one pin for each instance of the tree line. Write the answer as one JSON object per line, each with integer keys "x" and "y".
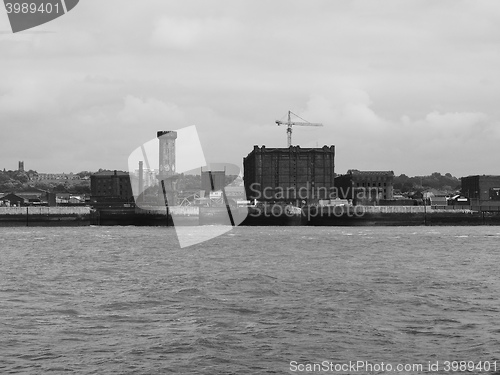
{"x": 436, "y": 180}
{"x": 23, "y": 181}
{"x": 12, "y": 181}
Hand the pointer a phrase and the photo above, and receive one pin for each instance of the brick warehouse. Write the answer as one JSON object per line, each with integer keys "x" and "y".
{"x": 482, "y": 190}
{"x": 289, "y": 174}
{"x": 365, "y": 187}
{"x": 111, "y": 186}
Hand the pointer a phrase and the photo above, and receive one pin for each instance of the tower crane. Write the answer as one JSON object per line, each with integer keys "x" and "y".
{"x": 291, "y": 123}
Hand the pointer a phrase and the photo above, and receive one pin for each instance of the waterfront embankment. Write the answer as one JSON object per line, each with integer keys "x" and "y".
{"x": 273, "y": 215}
{"x": 45, "y": 216}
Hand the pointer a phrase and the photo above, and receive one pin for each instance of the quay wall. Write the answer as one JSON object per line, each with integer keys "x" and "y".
{"x": 173, "y": 210}
{"x": 397, "y": 216}
{"x": 147, "y": 216}
{"x": 45, "y": 216}
{"x": 275, "y": 216}
{"x": 32, "y": 210}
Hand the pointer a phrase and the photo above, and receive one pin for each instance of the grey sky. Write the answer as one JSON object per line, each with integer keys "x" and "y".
{"x": 409, "y": 86}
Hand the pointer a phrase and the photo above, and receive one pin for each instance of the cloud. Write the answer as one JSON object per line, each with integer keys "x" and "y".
{"x": 150, "y": 111}
{"x": 176, "y": 33}
{"x": 397, "y": 85}
{"x": 25, "y": 98}
{"x": 344, "y": 110}
{"x": 463, "y": 123}
{"x": 444, "y": 141}
{"x": 187, "y": 32}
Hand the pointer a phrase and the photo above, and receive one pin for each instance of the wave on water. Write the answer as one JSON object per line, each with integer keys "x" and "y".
{"x": 129, "y": 300}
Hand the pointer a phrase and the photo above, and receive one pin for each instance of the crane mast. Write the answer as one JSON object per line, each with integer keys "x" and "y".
{"x": 291, "y": 123}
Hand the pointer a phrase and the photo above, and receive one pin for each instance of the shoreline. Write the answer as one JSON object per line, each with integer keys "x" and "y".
{"x": 263, "y": 216}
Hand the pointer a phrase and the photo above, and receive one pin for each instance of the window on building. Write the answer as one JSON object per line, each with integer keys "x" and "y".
{"x": 495, "y": 194}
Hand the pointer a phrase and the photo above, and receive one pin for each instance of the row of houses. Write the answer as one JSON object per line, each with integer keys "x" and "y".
{"x": 38, "y": 197}
{"x": 54, "y": 177}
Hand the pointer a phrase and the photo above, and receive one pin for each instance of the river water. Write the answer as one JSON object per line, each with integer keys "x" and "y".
{"x": 257, "y": 300}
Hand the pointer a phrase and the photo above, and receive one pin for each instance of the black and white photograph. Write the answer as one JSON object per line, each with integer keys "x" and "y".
{"x": 249, "y": 187}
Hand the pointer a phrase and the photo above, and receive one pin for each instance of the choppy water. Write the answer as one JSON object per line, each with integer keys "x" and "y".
{"x": 126, "y": 300}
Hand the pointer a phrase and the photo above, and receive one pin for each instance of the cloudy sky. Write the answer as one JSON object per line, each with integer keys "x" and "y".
{"x": 402, "y": 85}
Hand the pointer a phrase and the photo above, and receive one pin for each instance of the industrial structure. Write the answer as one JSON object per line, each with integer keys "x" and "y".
{"x": 291, "y": 123}
{"x": 167, "y": 175}
{"x": 296, "y": 175}
{"x": 482, "y": 190}
{"x": 111, "y": 187}
{"x": 141, "y": 178}
{"x": 365, "y": 187}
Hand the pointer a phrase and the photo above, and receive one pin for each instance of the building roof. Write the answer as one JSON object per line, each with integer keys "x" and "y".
{"x": 110, "y": 173}
{"x": 10, "y": 196}
{"x": 32, "y": 192}
{"x": 434, "y": 193}
{"x": 30, "y": 196}
{"x": 481, "y": 175}
{"x": 292, "y": 149}
{"x": 370, "y": 173}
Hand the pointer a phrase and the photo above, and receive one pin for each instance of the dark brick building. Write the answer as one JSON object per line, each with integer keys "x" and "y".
{"x": 482, "y": 190}
{"x": 365, "y": 187}
{"x": 32, "y": 197}
{"x": 12, "y": 199}
{"x": 111, "y": 186}
{"x": 289, "y": 174}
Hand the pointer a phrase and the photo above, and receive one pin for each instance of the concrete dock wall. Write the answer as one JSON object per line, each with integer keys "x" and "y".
{"x": 174, "y": 210}
{"x": 44, "y": 210}
{"x": 45, "y": 216}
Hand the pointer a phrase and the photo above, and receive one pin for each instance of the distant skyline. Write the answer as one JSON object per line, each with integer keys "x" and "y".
{"x": 405, "y": 85}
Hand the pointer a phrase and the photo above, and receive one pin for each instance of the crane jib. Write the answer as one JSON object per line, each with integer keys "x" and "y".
{"x": 291, "y": 123}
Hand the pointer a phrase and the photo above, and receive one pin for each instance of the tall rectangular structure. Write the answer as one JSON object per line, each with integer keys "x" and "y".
{"x": 291, "y": 174}
{"x": 111, "y": 186}
{"x": 167, "y": 153}
{"x": 167, "y": 176}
